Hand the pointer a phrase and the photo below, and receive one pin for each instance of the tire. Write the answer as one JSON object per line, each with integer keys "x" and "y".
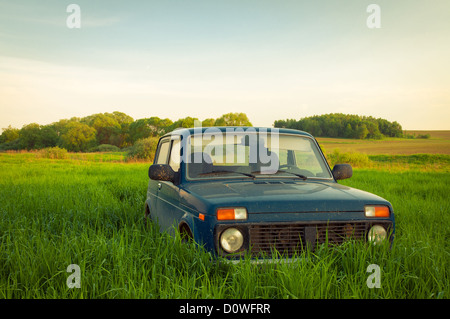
{"x": 186, "y": 233}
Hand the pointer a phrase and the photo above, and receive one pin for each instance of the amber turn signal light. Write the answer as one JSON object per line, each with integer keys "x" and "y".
{"x": 231, "y": 213}
{"x": 376, "y": 211}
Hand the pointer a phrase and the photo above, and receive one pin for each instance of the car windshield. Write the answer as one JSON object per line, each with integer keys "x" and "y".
{"x": 254, "y": 155}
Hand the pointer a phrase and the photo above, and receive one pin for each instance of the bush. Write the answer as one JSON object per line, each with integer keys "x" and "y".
{"x": 143, "y": 149}
{"x": 53, "y": 153}
{"x": 354, "y": 159}
{"x": 104, "y": 148}
{"x": 11, "y": 146}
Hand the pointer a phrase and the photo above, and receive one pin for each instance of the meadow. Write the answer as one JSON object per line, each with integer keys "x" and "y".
{"x": 88, "y": 210}
{"x": 438, "y": 143}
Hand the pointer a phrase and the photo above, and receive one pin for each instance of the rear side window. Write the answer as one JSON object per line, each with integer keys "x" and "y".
{"x": 163, "y": 153}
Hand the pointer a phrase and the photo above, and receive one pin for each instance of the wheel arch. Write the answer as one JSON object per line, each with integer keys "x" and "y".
{"x": 146, "y": 210}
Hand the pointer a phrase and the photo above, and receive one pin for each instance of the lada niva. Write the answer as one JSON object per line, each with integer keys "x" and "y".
{"x": 261, "y": 191}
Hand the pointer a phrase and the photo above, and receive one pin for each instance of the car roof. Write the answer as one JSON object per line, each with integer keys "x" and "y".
{"x": 244, "y": 129}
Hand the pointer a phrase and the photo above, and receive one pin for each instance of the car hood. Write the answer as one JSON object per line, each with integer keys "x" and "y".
{"x": 260, "y": 196}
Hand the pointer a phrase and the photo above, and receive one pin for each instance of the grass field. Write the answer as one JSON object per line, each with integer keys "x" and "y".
{"x": 438, "y": 143}
{"x": 434, "y": 134}
{"x": 89, "y": 211}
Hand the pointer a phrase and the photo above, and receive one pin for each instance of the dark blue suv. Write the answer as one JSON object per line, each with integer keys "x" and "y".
{"x": 260, "y": 191}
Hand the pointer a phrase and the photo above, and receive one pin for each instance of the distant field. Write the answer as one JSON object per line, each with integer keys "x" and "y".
{"x": 433, "y": 134}
{"x": 439, "y": 143}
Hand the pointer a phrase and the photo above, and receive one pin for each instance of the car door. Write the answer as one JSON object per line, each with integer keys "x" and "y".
{"x": 162, "y": 153}
{"x": 167, "y": 193}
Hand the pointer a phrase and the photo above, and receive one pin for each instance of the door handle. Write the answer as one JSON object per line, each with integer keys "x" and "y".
{"x": 159, "y": 185}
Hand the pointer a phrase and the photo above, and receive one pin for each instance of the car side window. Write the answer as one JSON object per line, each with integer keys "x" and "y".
{"x": 174, "y": 160}
{"x": 163, "y": 152}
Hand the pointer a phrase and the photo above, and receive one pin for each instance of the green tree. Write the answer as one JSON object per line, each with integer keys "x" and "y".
{"x": 344, "y": 125}
{"x": 233, "y": 119}
{"x": 121, "y": 137}
{"x": 79, "y": 137}
{"x": 208, "y": 122}
{"x": 288, "y": 123}
{"x": 9, "y": 134}
{"x": 158, "y": 126}
{"x": 312, "y": 126}
{"x": 144, "y": 148}
{"x": 60, "y": 127}
{"x": 348, "y": 133}
{"x": 49, "y": 136}
{"x": 361, "y": 131}
{"x": 139, "y": 129}
{"x": 149, "y": 127}
{"x": 105, "y": 124}
{"x": 30, "y": 136}
{"x": 121, "y": 118}
{"x": 186, "y": 122}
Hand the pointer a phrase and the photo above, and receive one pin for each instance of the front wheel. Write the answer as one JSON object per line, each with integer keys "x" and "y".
{"x": 186, "y": 234}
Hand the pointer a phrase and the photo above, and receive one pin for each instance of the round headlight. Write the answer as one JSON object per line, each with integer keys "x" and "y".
{"x": 231, "y": 240}
{"x": 377, "y": 234}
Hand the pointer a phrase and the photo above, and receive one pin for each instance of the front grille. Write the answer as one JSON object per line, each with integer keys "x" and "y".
{"x": 290, "y": 238}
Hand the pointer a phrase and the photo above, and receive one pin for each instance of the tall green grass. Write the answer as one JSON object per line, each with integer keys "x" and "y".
{"x": 54, "y": 213}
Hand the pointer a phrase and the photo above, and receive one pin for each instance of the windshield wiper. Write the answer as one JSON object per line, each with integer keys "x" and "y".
{"x": 281, "y": 171}
{"x": 299, "y": 175}
{"x": 224, "y": 171}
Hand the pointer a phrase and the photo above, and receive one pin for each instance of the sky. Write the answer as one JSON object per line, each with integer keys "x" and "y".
{"x": 269, "y": 59}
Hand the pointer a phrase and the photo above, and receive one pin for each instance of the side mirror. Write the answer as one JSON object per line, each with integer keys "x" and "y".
{"x": 342, "y": 171}
{"x": 161, "y": 172}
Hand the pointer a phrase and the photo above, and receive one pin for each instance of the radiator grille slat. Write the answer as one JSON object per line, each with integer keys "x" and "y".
{"x": 290, "y": 238}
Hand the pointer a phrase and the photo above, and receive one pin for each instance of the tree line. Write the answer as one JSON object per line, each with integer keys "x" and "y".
{"x": 114, "y": 130}
{"x": 117, "y": 130}
{"x": 344, "y": 125}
